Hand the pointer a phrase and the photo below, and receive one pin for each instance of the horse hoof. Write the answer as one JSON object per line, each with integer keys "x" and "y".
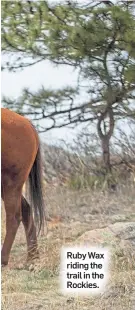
{"x": 32, "y": 258}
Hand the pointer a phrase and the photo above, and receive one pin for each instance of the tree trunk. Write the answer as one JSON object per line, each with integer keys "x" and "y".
{"x": 106, "y": 154}
{"x": 105, "y": 143}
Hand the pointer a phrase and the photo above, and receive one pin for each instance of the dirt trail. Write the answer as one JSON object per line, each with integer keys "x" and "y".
{"x": 74, "y": 213}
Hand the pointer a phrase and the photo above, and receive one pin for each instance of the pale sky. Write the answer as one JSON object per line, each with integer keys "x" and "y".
{"x": 33, "y": 77}
{"x": 41, "y": 74}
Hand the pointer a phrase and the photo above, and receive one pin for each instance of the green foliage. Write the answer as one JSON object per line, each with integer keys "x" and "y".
{"x": 62, "y": 32}
{"x": 130, "y": 74}
{"x": 89, "y": 37}
{"x": 67, "y": 34}
{"x": 79, "y": 181}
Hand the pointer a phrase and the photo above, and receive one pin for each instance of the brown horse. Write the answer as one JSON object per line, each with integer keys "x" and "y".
{"x": 20, "y": 160}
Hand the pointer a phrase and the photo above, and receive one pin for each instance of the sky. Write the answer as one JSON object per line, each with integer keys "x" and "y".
{"x": 33, "y": 77}
{"x": 42, "y": 74}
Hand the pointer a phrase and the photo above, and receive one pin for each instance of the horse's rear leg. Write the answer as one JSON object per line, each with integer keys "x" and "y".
{"x": 30, "y": 230}
{"x": 13, "y": 218}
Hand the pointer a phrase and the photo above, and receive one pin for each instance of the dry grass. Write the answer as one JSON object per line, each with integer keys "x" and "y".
{"x": 37, "y": 286}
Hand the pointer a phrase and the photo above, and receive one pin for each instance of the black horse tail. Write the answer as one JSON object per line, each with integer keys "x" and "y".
{"x": 36, "y": 191}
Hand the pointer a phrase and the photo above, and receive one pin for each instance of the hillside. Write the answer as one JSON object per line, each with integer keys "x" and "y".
{"x": 63, "y": 166}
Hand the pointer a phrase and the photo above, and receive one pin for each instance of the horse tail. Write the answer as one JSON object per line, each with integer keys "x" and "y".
{"x": 36, "y": 191}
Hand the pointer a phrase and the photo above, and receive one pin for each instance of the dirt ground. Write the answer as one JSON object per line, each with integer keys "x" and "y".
{"x": 36, "y": 286}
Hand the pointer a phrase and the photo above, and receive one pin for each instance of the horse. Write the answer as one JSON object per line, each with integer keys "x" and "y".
{"x": 21, "y": 162}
